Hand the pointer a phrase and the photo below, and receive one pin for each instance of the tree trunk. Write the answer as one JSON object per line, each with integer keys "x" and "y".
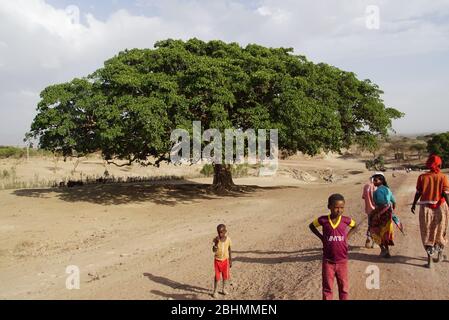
{"x": 222, "y": 177}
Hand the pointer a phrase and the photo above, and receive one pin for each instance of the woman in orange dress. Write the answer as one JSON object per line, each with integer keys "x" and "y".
{"x": 432, "y": 192}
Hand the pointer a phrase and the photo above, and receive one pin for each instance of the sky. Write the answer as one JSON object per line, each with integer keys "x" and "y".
{"x": 403, "y": 46}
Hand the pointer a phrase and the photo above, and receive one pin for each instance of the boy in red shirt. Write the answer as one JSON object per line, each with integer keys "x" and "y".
{"x": 335, "y": 246}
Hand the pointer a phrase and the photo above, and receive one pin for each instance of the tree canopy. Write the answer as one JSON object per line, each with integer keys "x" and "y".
{"x": 128, "y": 108}
{"x": 439, "y": 145}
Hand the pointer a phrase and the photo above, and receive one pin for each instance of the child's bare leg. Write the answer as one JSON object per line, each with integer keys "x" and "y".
{"x": 215, "y": 294}
{"x": 225, "y": 287}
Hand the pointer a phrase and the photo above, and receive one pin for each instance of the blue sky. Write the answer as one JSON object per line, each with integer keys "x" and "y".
{"x": 103, "y": 9}
{"x": 42, "y": 42}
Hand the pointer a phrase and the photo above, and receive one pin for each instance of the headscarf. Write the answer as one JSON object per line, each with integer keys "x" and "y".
{"x": 434, "y": 163}
{"x": 382, "y": 177}
{"x": 377, "y": 173}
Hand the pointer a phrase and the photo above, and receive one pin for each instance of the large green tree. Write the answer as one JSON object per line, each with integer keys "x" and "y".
{"x": 439, "y": 145}
{"x": 128, "y": 108}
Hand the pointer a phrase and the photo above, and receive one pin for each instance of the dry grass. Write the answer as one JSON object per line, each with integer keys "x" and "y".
{"x": 50, "y": 172}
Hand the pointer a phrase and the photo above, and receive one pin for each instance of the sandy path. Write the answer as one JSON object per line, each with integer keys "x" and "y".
{"x": 135, "y": 242}
{"x": 404, "y": 276}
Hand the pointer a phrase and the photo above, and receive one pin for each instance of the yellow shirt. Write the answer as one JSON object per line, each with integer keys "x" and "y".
{"x": 222, "y": 252}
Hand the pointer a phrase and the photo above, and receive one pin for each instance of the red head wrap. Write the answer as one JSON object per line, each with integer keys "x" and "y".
{"x": 434, "y": 163}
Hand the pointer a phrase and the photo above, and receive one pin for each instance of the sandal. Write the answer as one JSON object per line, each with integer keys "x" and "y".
{"x": 430, "y": 250}
{"x": 439, "y": 250}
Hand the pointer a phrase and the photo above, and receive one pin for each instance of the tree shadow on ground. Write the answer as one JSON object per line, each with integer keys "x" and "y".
{"x": 306, "y": 255}
{"x": 162, "y": 193}
{"x": 195, "y": 291}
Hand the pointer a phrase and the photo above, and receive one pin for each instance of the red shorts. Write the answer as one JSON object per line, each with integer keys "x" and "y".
{"x": 221, "y": 267}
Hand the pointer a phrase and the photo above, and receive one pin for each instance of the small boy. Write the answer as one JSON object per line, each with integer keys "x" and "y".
{"x": 335, "y": 246}
{"x": 223, "y": 259}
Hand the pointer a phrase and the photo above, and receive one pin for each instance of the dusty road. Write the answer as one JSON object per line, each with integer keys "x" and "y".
{"x": 153, "y": 242}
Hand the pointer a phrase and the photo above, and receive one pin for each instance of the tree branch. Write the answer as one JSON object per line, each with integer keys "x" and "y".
{"x": 130, "y": 162}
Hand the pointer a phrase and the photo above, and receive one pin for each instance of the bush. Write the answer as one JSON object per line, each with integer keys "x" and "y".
{"x": 11, "y": 152}
{"x": 240, "y": 170}
{"x": 377, "y": 164}
{"x": 439, "y": 145}
{"x": 17, "y": 153}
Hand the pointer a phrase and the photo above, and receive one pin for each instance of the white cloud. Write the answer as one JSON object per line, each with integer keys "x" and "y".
{"x": 34, "y": 14}
{"x": 276, "y": 14}
{"x": 264, "y": 11}
{"x": 42, "y": 45}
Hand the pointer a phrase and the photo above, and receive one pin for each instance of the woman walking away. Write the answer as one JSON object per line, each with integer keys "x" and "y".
{"x": 381, "y": 219}
{"x": 432, "y": 191}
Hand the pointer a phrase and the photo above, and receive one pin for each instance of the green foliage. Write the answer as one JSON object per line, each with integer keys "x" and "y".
{"x": 12, "y": 152}
{"x": 378, "y": 164}
{"x": 240, "y": 170}
{"x": 18, "y": 153}
{"x": 207, "y": 170}
{"x": 368, "y": 142}
{"x": 128, "y": 108}
{"x": 439, "y": 145}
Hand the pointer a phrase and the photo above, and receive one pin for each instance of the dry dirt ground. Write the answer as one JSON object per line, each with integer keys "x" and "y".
{"x": 153, "y": 241}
